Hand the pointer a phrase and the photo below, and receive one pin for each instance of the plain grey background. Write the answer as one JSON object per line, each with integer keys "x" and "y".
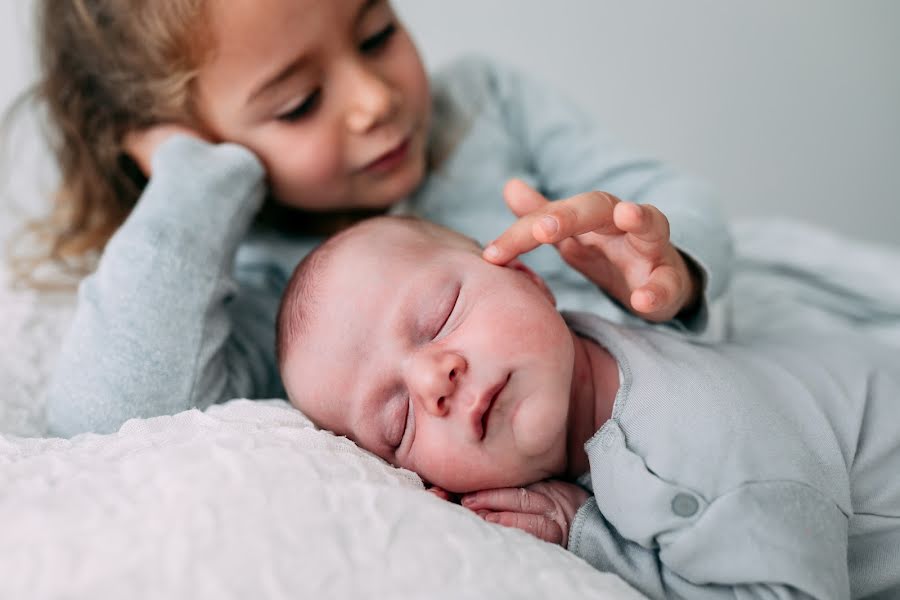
{"x": 789, "y": 107}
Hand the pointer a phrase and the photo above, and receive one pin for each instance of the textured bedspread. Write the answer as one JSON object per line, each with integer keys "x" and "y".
{"x": 249, "y": 501}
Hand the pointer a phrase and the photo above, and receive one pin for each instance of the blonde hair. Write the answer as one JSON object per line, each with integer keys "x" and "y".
{"x": 107, "y": 67}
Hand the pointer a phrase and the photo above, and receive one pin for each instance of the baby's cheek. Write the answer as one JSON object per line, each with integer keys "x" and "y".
{"x": 540, "y": 426}
{"x": 451, "y": 467}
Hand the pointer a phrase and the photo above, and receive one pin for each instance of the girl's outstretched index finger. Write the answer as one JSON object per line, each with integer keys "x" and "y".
{"x": 552, "y": 223}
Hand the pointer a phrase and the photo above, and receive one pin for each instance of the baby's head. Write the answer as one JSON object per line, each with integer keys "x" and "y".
{"x": 397, "y": 334}
{"x": 331, "y": 95}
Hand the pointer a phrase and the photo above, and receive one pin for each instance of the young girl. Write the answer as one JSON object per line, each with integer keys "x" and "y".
{"x": 301, "y": 117}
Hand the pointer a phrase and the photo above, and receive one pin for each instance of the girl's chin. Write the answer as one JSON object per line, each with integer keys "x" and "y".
{"x": 397, "y": 188}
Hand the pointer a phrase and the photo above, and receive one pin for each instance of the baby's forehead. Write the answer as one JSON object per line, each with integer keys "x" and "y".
{"x": 394, "y": 238}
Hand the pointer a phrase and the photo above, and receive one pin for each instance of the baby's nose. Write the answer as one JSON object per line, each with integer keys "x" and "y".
{"x": 437, "y": 379}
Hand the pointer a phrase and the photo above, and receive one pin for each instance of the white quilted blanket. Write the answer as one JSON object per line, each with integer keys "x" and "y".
{"x": 248, "y": 500}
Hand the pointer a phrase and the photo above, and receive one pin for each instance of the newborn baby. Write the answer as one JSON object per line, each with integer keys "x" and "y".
{"x": 762, "y": 469}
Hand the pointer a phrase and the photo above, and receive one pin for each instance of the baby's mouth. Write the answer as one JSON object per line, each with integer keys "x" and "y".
{"x": 491, "y": 400}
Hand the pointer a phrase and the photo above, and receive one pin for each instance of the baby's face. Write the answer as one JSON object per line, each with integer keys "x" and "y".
{"x": 437, "y": 361}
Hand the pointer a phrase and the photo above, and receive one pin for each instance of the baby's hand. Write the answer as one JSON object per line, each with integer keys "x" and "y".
{"x": 624, "y": 248}
{"x": 439, "y": 492}
{"x": 544, "y": 509}
{"x": 142, "y": 145}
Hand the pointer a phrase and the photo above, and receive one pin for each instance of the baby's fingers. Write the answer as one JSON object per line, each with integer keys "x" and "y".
{"x": 517, "y": 500}
{"x": 439, "y": 492}
{"x": 537, "y": 525}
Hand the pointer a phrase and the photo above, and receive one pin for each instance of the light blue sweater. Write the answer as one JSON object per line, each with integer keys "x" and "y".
{"x": 768, "y": 468}
{"x": 180, "y": 312}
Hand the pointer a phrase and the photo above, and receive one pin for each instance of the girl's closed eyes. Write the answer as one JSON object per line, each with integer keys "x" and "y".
{"x": 379, "y": 40}
{"x": 303, "y": 109}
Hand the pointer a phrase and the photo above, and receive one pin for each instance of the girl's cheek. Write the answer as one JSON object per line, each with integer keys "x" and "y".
{"x": 318, "y": 163}
{"x": 303, "y": 161}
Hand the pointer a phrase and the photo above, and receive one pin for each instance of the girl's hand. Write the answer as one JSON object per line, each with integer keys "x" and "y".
{"x": 142, "y": 145}
{"x": 624, "y": 248}
{"x": 545, "y": 509}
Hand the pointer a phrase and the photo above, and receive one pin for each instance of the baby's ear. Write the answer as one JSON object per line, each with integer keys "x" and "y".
{"x": 518, "y": 265}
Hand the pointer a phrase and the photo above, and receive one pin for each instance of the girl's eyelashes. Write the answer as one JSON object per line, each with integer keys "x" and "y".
{"x": 303, "y": 109}
{"x": 379, "y": 40}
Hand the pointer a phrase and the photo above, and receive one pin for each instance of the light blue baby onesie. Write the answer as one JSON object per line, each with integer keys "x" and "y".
{"x": 181, "y": 310}
{"x": 766, "y": 469}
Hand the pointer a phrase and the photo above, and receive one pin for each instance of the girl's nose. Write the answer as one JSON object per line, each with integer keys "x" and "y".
{"x": 372, "y": 100}
{"x": 434, "y": 378}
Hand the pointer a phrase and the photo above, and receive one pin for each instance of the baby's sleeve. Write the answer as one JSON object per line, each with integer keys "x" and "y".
{"x": 163, "y": 325}
{"x": 570, "y": 154}
{"x": 762, "y": 540}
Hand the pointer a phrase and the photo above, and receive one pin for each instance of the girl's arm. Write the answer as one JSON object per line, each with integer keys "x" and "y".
{"x": 570, "y": 155}
{"x": 162, "y": 325}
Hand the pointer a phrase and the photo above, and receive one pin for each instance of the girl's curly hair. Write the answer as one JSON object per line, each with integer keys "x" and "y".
{"x": 107, "y": 67}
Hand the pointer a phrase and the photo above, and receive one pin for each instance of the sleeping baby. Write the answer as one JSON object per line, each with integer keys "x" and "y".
{"x": 768, "y": 468}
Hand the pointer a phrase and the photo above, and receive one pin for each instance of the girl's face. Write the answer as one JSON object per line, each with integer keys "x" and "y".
{"x": 331, "y": 95}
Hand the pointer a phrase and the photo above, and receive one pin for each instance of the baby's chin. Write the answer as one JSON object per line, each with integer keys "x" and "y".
{"x": 490, "y": 482}
{"x": 500, "y": 473}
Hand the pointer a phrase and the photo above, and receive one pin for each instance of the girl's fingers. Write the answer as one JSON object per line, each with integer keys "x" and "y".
{"x": 517, "y": 500}
{"x": 590, "y": 261}
{"x": 521, "y": 198}
{"x": 584, "y": 213}
{"x": 647, "y": 226}
{"x": 537, "y": 525}
{"x": 660, "y": 298}
{"x": 591, "y": 212}
{"x": 142, "y": 145}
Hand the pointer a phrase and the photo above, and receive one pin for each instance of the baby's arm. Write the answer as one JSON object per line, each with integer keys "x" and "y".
{"x": 162, "y": 326}
{"x": 726, "y": 553}
{"x": 571, "y": 155}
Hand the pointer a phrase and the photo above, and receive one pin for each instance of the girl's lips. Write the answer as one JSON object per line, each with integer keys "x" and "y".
{"x": 390, "y": 159}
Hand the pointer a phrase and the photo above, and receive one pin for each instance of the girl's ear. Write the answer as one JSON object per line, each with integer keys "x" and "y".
{"x": 518, "y": 265}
